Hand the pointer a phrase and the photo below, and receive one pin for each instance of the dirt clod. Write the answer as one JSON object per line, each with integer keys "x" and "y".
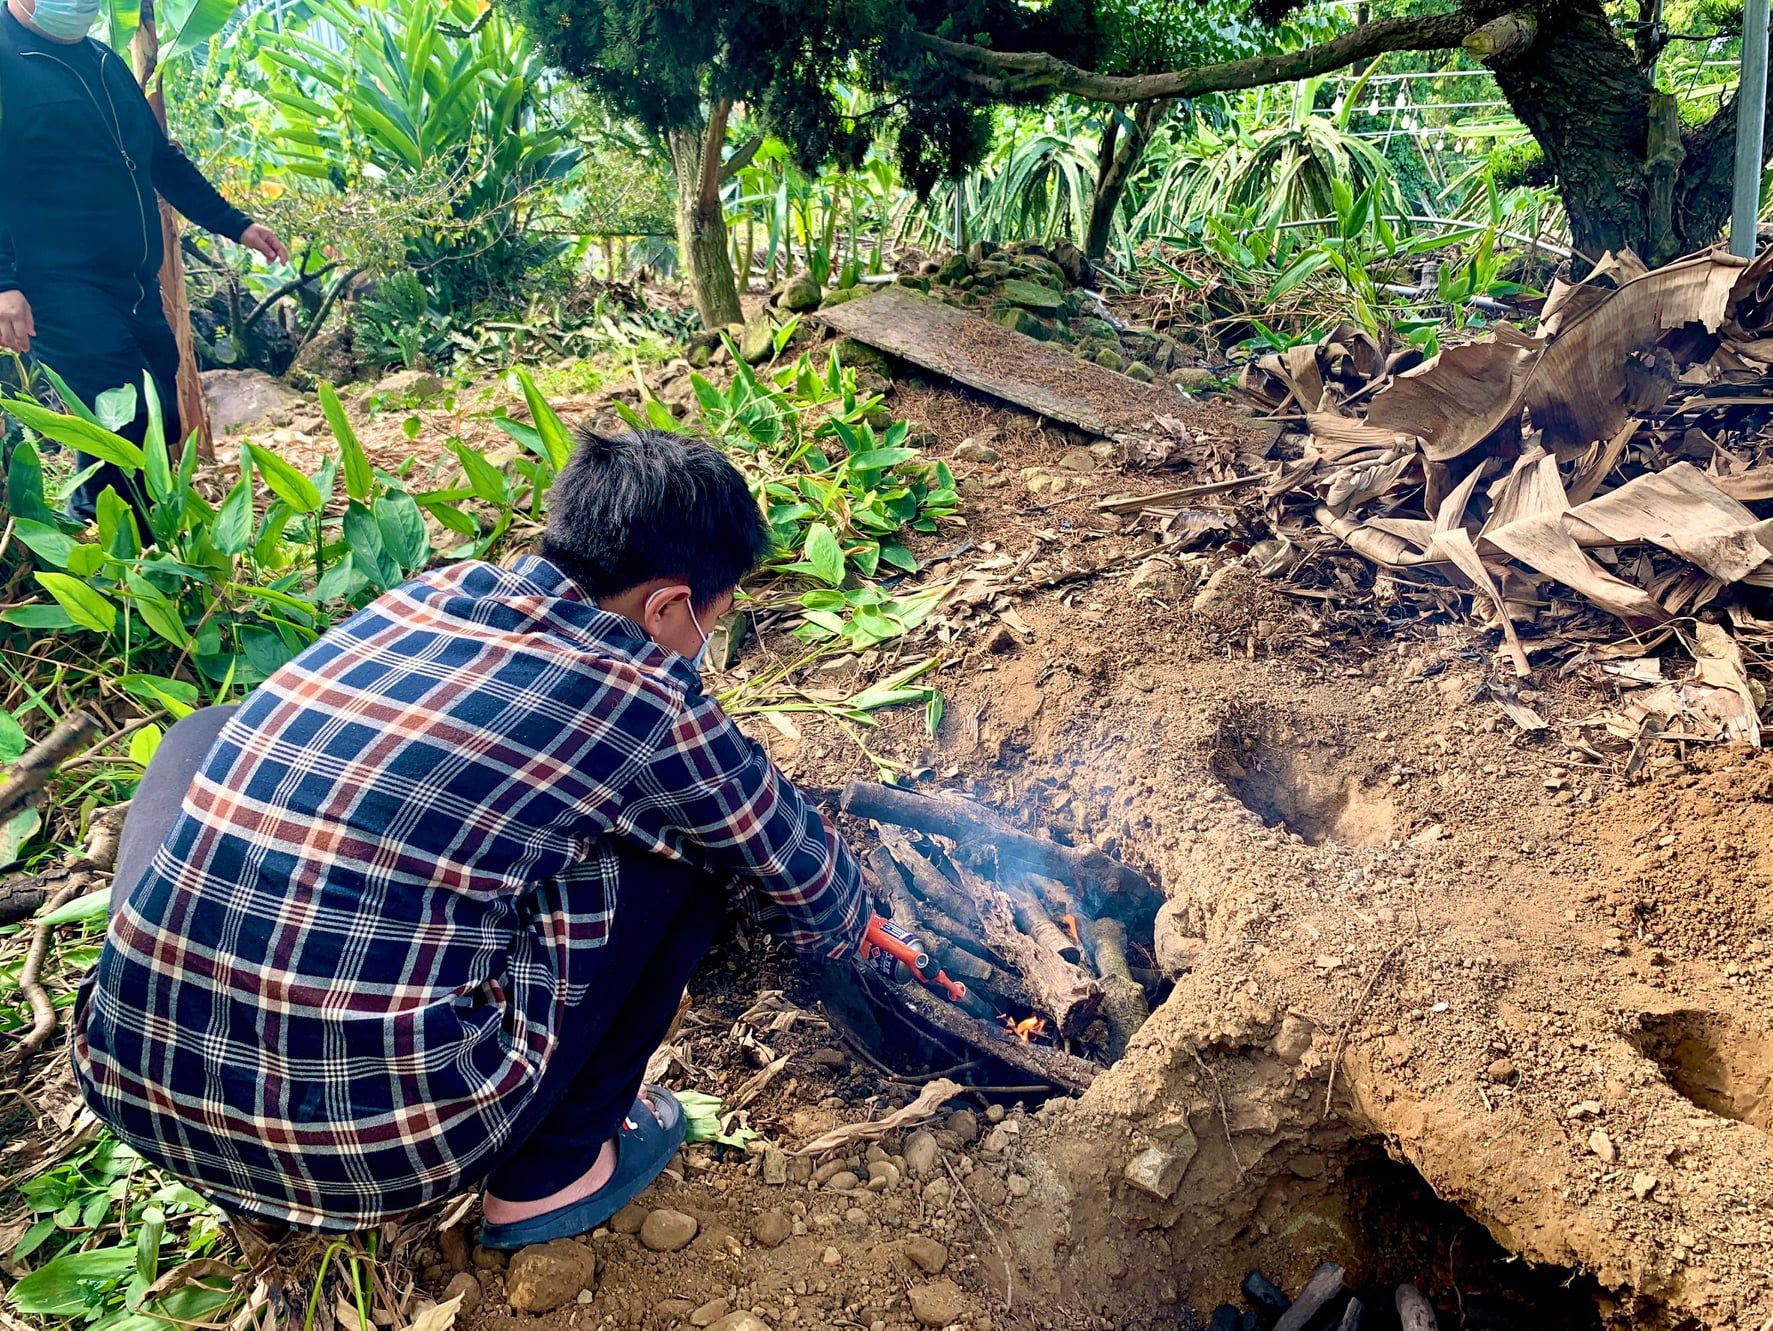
{"x": 772, "y": 1229}
{"x": 1602, "y": 1145}
{"x": 490, "y": 1259}
{"x": 464, "y": 1284}
{"x": 939, "y": 1304}
{"x": 927, "y": 1254}
{"x": 453, "y": 1244}
{"x": 710, "y": 1312}
{"x": 629, "y": 1219}
{"x": 665, "y": 1230}
{"x": 549, "y": 1275}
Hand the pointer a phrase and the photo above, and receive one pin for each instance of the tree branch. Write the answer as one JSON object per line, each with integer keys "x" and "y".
{"x": 712, "y": 142}
{"x": 1027, "y": 71}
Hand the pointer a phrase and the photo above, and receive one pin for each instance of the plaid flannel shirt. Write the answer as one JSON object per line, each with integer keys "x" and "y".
{"x": 347, "y": 968}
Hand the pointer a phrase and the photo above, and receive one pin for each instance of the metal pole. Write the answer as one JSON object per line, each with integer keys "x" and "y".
{"x": 1751, "y": 118}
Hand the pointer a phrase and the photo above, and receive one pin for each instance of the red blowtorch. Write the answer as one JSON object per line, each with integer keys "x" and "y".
{"x": 899, "y": 955}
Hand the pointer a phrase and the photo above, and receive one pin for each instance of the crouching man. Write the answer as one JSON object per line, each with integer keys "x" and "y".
{"x": 421, "y": 911}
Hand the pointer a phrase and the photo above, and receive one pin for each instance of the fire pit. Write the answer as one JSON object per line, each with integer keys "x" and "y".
{"x": 1042, "y": 945}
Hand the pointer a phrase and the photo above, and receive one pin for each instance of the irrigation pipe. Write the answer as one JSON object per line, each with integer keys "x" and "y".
{"x": 1442, "y": 223}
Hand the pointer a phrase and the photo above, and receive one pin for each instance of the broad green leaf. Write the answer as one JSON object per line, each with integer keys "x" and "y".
{"x": 175, "y": 695}
{"x": 285, "y": 481}
{"x": 85, "y": 560}
{"x": 488, "y": 481}
{"x": 368, "y": 552}
{"x": 115, "y": 407}
{"x": 823, "y": 554}
{"x": 157, "y": 459}
{"x": 86, "y": 605}
{"x": 186, "y": 25}
{"x": 552, "y": 430}
{"x": 161, "y": 614}
{"x": 265, "y": 650}
{"x": 17, "y": 830}
{"x": 93, "y": 905}
{"x": 44, "y": 618}
{"x": 143, "y": 745}
{"x": 403, "y": 530}
{"x": 360, "y": 477}
{"x": 232, "y": 532}
{"x": 24, "y": 484}
{"x": 877, "y": 459}
{"x": 82, "y": 436}
{"x": 51, "y": 545}
{"x": 447, "y": 514}
{"x": 64, "y": 1287}
{"x": 12, "y": 738}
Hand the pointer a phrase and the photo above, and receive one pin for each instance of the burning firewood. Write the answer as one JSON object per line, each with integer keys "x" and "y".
{"x": 1038, "y": 926}
{"x": 1052, "y": 1066}
{"x": 1123, "y": 1000}
{"x": 964, "y": 821}
{"x": 1060, "y": 989}
{"x": 928, "y": 882}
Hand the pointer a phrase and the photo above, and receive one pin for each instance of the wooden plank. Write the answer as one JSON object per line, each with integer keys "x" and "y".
{"x": 1041, "y": 376}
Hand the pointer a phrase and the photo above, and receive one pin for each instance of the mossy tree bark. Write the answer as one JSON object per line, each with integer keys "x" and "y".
{"x": 701, "y": 223}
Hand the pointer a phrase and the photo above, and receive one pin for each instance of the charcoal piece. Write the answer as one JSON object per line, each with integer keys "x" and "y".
{"x": 1225, "y": 1318}
{"x": 1414, "y": 1311}
{"x": 1324, "y": 1287}
{"x": 1351, "y": 1316}
{"x": 1265, "y": 1298}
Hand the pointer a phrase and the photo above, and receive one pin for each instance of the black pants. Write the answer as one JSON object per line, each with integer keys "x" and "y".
{"x": 666, "y": 916}
{"x": 98, "y": 338}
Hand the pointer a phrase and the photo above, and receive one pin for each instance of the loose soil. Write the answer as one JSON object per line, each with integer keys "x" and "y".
{"x": 1447, "y": 995}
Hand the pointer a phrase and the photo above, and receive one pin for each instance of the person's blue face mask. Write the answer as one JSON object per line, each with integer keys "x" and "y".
{"x": 65, "y": 20}
{"x": 701, "y": 655}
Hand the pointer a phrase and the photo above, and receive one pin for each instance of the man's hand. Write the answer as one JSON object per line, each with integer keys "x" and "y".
{"x": 262, "y": 240}
{"x": 16, "y": 326}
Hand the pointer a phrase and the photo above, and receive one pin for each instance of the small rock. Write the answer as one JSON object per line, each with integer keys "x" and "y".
{"x": 843, "y": 1181}
{"x": 775, "y": 1167}
{"x": 629, "y": 1219}
{"x": 1602, "y": 1145}
{"x": 977, "y": 448}
{"x": 1110, "y": 359}
{"x": 453, "y": 1244}
{"x": 964, "y": 1124}
{"x": 828, "y": 1058}
{"x": 757, "y": 339}
{"x": 414, "y": 385}
{"x": 800, "y": 293}
{"x": 710, "y": 1312}
{"x": 1159, "y": 1172}
{"x": 1000, "y": 642}
{"x": 938, "y": 1192}
{"x": 1643, "y": 1185}
{"x": 939, "y": 1304}
{"x": 740, "y": 1322}
{"x": 1586, "y": 1109}
{"x": 1018, "y": 1185}
{"x": 921, "y": 1152}
{"x": 1293, "y": 1041}
{"x": 1139, "y": 372}
{"x": 463, "y": 1283}
{"x": 1156, "y": 578}
{"x": 1080, "y": 460}
{"x": 997, "y": 1141}
{"x": 1501, "y": 1070}
{"x": 885, "y": 1173}
{"x": 771, "y": 1229}
{"x": 665, "y": 1230}
{"x": 1192, "y": 377}
{"x": 549, "y": 1275}
{"x": 1031, "y": 295}
{"x": 1021, "y": 321}
{"x": 926, "y": 1253}
{"x": 831, "y": 1257}
{"x": 490, "y": 1259}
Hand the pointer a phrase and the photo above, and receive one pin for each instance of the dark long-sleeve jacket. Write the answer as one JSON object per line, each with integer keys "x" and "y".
{"x": 81, "y": 159}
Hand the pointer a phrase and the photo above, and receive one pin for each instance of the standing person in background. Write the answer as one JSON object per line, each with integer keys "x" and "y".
{"x": 82, "y": 156}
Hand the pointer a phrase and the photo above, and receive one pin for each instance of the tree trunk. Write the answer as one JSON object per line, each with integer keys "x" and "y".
{"x": 1119, "y": 159}
{"x": 701, "y": 225}
{"x": 192, "y": 414}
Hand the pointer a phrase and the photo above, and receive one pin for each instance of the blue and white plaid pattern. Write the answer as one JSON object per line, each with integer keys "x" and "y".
{"x": 346, "y": 970}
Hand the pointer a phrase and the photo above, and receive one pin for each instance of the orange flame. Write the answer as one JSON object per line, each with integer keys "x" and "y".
{"x": 1070, "y": 923}
{"x": 1026, "y": 1030}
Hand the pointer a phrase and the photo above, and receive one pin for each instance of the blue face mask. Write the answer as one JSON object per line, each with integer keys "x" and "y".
{"x": 65, "y": 20}
{"x": 701, "y": 655}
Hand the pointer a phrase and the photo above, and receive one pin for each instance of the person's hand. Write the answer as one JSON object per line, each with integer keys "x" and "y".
{"x": 260, "y": 239}
{"x": 16, "y": 326}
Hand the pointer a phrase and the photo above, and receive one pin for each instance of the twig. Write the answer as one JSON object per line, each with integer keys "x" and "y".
{"x": 1354, "y": 1020}
{"x": 32, "y": 772}
{"x": 42, "y": 1010}
{"x": 1009, "y": 1272}
{"x": 1224, "y": 1113}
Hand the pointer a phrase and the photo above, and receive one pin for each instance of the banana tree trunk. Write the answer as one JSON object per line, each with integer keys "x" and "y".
{"x": 701, "y": 224}
{"x": 192, "y": 415}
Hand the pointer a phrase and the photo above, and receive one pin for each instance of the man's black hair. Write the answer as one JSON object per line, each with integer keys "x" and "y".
{"x": 629, "y": 508}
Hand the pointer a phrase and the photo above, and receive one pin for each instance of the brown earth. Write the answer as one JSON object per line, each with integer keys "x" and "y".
{"x": 1539, "y": 990}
